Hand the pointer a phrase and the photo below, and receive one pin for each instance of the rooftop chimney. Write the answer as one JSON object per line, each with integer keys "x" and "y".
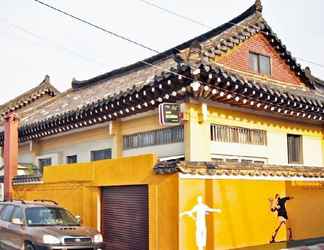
{"x": 10, "y": 153}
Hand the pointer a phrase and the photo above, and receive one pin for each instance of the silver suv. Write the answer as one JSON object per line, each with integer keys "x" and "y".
{"x": 43, "y": 225}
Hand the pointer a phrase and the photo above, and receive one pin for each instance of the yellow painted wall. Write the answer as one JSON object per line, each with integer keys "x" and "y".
{"x": 306, "y": 210}
{"x": 77, "y": 187}
{"x": 198, "y": 143}
{"x": 196, "y": 134}
{"x": 235, "y": 118}
{"x": 246, "y": 219}
{"x": 141, "y": 124}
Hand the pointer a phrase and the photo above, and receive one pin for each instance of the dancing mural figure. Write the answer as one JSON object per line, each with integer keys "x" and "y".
{"x": 279, "y": 205}
{"x": 198, "y": 213}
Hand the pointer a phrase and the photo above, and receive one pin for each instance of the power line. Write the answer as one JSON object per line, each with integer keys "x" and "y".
{"x": 175, "y": 14}
{"x": 98, "y": 27}
{"x": 208, "y": 26}
{"x": 56, "y": 45}
{"x": 138, "y": 43}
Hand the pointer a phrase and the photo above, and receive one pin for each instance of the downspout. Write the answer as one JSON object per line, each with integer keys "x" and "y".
{"x": 10, "y": 153}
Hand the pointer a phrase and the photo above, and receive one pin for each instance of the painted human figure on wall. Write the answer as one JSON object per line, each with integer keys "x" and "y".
{"x": 198, "y": 213}
{"x": 278, "y": 205}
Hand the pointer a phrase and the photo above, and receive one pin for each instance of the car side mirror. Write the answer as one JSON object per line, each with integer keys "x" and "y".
{"x": 78, "y": 219}
{"x": 17, "y": 221}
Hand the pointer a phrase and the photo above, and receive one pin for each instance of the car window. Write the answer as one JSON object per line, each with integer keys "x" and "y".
{"x": 18, "y": 214}
{"x": 6, "y": 213}
{"x": 49, "y": 216}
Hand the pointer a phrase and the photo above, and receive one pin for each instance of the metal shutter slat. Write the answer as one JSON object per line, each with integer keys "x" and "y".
{"x": 125, "y": 217}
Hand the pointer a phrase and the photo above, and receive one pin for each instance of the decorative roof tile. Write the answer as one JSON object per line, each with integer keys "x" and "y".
{"x": 44, "y": 88}
{"x": 26, "y": 179}
{"x": 127, "y": 90}
{"x": 238, "y": 170}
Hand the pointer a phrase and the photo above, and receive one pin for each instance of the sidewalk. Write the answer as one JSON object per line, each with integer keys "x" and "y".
{"x": 315, "y": 247}
{"x": 312, "y": 244}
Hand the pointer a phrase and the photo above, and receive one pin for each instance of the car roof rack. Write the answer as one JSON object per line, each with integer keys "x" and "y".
{"x": 48, "y": 201}
{"x": 21, "y": 201}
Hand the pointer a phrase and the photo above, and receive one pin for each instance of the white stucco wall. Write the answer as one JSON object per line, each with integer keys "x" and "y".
{"x": 275, "y": 152}
{"x": 167, "y": 150}
{"x": 277, "y": 148}
{"x": 313, "y": 152}
{"x": 25, "y": 158}
{"x": 82, "y": 150}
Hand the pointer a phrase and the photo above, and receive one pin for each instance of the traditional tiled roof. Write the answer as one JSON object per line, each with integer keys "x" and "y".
{"x": 239, "y": 170}
{"x": 44, "y": 88}
{"x": 169, "y": 76}
{"x": 318, "y": 83}
{"x": 26, "y": 179}
{"x": 226, "y": 86}
{"x": 86, "y": 94}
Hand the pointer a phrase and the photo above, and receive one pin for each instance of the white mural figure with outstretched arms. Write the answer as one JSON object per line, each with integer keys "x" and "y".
{"x": 198, "y": 213}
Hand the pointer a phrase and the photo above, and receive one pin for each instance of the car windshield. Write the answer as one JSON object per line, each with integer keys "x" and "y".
{"x": 49, "y": 216}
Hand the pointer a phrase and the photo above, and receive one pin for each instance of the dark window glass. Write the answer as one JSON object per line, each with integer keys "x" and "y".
{"x": 43, "y": 163}
{"x": 71, "y": 159}
{"x": 260, "y": 63}
{"x": 17, "y": 214}
{"x": 295, "y": 148}
{"x": 97, "y": 155}
{"x": 6, "y": 213}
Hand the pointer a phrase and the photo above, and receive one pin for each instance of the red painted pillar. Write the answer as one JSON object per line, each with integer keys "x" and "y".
{"x": 10, "y": 153}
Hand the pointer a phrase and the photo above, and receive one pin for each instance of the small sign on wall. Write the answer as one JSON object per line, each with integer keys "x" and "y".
{"x": 169, "y": 114}
{"x": 1, "y": 192}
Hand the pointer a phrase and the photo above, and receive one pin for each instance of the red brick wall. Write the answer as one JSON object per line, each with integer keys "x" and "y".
{"x": 238, "y": 59}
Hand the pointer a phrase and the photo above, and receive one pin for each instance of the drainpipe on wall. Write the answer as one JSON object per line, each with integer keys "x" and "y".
{"x": 10, "y": 153}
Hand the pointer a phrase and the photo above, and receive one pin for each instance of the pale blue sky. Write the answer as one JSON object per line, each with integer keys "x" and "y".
{"x": 36, "y": 41}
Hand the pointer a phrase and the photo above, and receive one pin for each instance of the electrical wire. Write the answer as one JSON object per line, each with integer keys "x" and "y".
{"x": 98, "y": 27}
{"x": 54, "y": 44}
{"x": 135, "y": 42}
{"x": 194, "y": 21}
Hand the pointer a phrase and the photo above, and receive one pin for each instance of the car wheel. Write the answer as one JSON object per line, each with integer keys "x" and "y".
{"x": 29, "y": 246}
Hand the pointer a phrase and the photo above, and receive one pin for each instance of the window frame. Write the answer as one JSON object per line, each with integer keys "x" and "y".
{"x": 39, "y": 159}
{"x": 239, "y": 135}
{"x": 258, "y": 55}
{"x": 164, "y": 136}
{"x": 92, "y": 152}
{"x": 70, "y": 157}
{"x": 4, "y": 210}
{"x": 300, "y": 153}
{"x": 22, "y": 214}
